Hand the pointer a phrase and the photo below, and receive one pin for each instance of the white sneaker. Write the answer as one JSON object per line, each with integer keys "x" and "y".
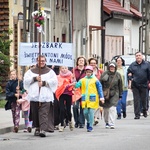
{"x": 141, "y": 114}
{"x": 147, "y": 113}
{"x": 25, "y": 130}
{"x": 112, "y": 127}
{"x": 61, "y": 128}
{"x": 56, "y": 128}
{"x": 71, "y": 126}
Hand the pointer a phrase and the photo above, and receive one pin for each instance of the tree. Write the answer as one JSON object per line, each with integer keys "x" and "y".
{"x": 5, "y": 59}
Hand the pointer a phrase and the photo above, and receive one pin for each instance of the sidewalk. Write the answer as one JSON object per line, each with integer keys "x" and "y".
{"x": 6, "y": 122}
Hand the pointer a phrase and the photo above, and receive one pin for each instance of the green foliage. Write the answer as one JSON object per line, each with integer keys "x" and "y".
{"x": 5, "y": 59}
{"x": 2, "y": 103}
{"x": 1, "y": 90}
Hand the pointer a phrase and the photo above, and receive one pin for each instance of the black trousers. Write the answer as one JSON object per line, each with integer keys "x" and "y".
{"x": 56, "y": 112}
{"x": 140, "y": 99}
{"x": 65, "y": 102}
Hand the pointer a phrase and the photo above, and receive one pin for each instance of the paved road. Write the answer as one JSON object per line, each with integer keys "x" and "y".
{"x": 129, "y": 134}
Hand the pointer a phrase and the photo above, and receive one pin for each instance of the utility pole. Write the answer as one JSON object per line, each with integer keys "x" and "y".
{"x": 24, "y": 30}
{"x": 145, "y": 28}
{"x": 147, "y": 34}
{"x": 31, "y": 23}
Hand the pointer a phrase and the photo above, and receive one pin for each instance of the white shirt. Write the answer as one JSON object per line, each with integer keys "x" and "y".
{"x": 43, "y": 94}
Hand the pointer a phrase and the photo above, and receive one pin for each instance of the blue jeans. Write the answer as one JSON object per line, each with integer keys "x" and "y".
{"x": 78, "y": 113}
{"x": 89, "y": 115}
{"x": 121, "y": 106}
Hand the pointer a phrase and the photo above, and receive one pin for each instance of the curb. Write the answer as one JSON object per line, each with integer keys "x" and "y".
{"x": 10, "y": 129}
{"x": 21, "y": 126}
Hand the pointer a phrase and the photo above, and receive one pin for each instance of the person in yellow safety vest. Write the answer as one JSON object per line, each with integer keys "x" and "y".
{"x": 91, "y": 90}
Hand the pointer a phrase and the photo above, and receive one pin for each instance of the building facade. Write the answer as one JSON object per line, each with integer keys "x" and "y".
{"x": 122, "y": 20}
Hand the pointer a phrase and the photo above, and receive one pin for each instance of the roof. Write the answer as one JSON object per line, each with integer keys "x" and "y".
{"x": 114, "y": 7}
{"x": 135, "y": 12}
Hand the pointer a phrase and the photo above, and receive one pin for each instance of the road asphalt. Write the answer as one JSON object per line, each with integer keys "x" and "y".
{"x": 6, "y": 123}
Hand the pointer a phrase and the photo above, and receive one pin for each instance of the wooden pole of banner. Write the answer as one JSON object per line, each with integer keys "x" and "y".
{"x": 74, "y": 78}
{"x": 39, "y": 39}
{"x": 40, "y": 30}
{"x": 39, "y": 54}
{"x": 17, "y": 57}
{"x": 39, "y": 2}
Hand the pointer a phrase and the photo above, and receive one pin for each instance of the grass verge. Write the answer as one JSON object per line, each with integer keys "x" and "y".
{"x": 2, "y": 103}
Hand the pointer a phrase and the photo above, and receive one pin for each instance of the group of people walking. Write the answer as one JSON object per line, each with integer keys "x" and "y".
{"x": 48, "y": 98}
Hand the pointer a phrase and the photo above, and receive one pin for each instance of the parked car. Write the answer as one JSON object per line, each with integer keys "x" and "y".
{"x": 127, "y": 58}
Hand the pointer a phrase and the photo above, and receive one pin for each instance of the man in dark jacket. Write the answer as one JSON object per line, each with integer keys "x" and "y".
{"x": 138, "y": 76}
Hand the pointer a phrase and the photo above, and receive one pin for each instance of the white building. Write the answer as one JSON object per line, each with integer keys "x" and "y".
{"x": 122, "y": 28}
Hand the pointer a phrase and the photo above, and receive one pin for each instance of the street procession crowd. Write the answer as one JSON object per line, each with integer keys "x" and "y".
{"x": 51, "y": 99}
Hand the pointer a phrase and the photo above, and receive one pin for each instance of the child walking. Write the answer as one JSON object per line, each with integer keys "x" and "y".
{"x": 12, "y": 94}
{"x": 64, "y": 96}
{"x": 25, "y": 106}
{"x": 91, "y": 90}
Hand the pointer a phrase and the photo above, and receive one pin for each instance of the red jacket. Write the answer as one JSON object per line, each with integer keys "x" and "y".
{"x": 63, "y": 83}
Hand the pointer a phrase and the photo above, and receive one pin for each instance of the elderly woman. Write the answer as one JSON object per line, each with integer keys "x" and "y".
{"x": 111, "y": 79}
{"x": 79, "y": 73}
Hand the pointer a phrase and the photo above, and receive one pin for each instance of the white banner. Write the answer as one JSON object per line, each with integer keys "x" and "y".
{"x": 58, "y": 54}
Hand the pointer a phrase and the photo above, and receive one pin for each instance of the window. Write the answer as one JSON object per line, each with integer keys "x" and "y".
{"x": 66, "y": 5}
{"x": 62, "y": 5}
{"x": 15, "y": 1}
{"x": 47, "y": 29}
{"x": 63, "y": 37}
{"x": 57, "y": 4}
{"x": 57, "y": 39}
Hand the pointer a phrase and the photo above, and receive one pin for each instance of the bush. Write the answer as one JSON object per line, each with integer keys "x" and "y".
{"x": 2, "y": 103}
{"x": 5, "y": 59}
{"x": 1, "y": 90}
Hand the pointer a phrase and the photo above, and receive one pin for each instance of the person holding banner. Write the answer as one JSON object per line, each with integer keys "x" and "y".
{"x": 41, "y": 83}
{"x": 79, "y": 73}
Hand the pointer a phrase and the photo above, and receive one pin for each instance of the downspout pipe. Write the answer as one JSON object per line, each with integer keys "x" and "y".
{"x": 141, "y": 36}
{"x": 70, "y": 21}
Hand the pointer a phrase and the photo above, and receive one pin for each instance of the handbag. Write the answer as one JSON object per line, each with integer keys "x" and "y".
{"x": 8, "y": 105}
{"x": 106, "y": 91}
